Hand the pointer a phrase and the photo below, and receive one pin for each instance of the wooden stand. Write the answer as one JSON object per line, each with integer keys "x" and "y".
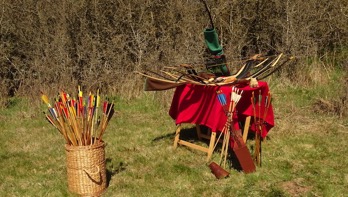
{"x": 246, "y": 128}
{"x": 208, "y": 150}
{"x": 211, "y": 137}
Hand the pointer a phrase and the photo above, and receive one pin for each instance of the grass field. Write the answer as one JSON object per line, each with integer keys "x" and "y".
{"x": 305, "y": 154}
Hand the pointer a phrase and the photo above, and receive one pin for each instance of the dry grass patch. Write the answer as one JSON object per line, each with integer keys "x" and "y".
{"x": 295, "y": 187}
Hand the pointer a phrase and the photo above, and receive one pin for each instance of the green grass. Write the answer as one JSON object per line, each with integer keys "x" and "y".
{"x": 305, "y": 154}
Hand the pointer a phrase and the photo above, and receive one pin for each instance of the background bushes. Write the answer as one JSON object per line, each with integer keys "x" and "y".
{"x": 48, "y": 45}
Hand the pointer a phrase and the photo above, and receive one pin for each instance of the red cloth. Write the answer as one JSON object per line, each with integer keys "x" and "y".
{"x": 198, "y": 104}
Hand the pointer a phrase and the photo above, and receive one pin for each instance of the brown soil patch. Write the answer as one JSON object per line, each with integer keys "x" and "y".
{"x": 295, "y": 188}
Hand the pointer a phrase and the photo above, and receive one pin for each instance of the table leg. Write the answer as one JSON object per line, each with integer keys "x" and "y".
{"x": 177, "y": 135}
{"x": 208, "y": 150}
{"x": 246, "y": 128}
{"x": 211, "y": 145}
{"x": 199, "y": 132}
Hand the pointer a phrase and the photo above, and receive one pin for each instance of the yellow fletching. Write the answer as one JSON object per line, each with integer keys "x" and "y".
{"x": 63, "y": 97}
{"x": 45, "y": 99}
{"x": 79, "y": 92}
{"x": 98, "y": 101}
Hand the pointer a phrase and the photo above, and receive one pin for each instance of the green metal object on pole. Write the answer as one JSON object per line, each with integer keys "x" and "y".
{"x": 215, "y": 49}
{"x": 212, "y": 41}
{"x": 216, "y": 64}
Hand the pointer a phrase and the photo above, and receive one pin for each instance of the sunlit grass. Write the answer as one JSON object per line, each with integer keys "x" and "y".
{"x": 304, "y": 154}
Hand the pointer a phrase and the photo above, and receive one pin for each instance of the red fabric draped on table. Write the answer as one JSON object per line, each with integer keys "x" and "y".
{"x": 198, "y": 104}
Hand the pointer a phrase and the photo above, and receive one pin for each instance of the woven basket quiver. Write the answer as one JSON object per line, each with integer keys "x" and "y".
{"x": 86, "y": 169}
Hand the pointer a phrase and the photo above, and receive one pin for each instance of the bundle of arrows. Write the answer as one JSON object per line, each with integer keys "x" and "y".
{"x": 259, "y": 120}
{"x": 78, "y": 119}
{"x": 236, "y": 95}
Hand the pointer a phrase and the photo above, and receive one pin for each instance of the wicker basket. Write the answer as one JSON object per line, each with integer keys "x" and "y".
{"x": 86, "y": 169}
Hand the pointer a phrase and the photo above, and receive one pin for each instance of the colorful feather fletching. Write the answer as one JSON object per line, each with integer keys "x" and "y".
{"x": 77, "y": 120}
